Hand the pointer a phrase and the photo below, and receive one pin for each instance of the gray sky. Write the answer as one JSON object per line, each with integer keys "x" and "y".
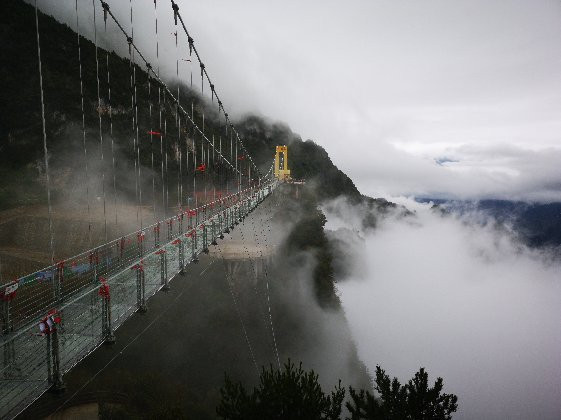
{"x": 444, "y": 98}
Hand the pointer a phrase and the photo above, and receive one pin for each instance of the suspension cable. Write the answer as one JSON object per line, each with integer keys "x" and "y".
{"x": 99, "y": 112}
{"x": 138, "y": 151}
{"x": 166, "y": 149}
{"x": 134, "y": 102}
{"x": 162, "y": 134}
{"x": 45, "y": 150}
{"x": 187, "y": 140}
{"x": 204, "y": 74}
{"x": 180, "y": 173}
{"x": 203, "y": 158}
{"x": 213, "y": 171}
{"x": 165, "y": 89}
{"x": 151, "y": 133}
{"x": 111, "y": 127}
{"x": 87, "y": 180}
{"x": 178, "y": 124}
{"x": 193, "y": 124}
{"x": 159, "y": 107}
{"x": 195, "y": 195}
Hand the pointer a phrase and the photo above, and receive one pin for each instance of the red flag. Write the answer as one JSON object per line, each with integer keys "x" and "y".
{"x": 103, "y": 288}
{"x": 138, "y": 267}
{"x": 9, "y": 293}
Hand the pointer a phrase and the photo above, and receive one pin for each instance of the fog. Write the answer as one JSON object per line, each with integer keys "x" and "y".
{"x": 434, "y": 108}
{"x": 457, "y": 99}
{"x": 464, "y": 300}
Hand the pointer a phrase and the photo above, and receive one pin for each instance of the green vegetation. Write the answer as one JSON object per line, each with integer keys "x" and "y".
{"x": 415, "y": 400}
{"x": 149, "y": 396}
{"x": 308, "y": 235}
{"x": 292, "y": 393}
{"x": 306, "y": 159}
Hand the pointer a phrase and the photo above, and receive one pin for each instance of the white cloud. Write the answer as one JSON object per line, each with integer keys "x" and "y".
{"x": 431, "y": 77}
{"x": 465, "y": 301}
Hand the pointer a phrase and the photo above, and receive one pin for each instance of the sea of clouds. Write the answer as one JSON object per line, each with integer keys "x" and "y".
{"x": 465, "y": 300}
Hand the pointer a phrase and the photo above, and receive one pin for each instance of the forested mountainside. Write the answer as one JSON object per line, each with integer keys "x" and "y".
{"x": 21, "y": 153}
{"x": 536, "y": 224}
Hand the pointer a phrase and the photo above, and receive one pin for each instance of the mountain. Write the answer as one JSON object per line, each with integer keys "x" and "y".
{"x": 537, "y": 224}
{"x": 20, "y": 118}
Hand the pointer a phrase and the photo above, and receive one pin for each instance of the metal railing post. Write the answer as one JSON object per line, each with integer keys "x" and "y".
{"x": 194, "y": 257}
{"x": 10, "y": 368}
{"x": 181, "y": 257}
{"x": 140, "y": 289}
{"x": 205, "y": 239}
{"x": 58, "y": 384}
{"x": 157, "y": 235}
{"x": 221, "y": 224}
{"x": 59, "y": 278}
{"x": 106, "y": 328}
{"x": 48, "y": 326}
{"x": 163, "y": 269}
{"x": 226, "y": 221}
{"x": 213, "y": 227}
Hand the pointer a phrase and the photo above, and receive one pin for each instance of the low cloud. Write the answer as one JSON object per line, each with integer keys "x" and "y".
{"x": 464, "y": 300}
{"x": 423, "y": 81}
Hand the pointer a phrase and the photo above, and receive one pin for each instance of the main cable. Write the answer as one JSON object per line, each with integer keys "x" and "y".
{"x": 177, "y": 15}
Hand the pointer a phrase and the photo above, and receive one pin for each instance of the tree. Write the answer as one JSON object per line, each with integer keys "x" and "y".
{"x": 287, "y": 394}
{"x": 415, "y": 400}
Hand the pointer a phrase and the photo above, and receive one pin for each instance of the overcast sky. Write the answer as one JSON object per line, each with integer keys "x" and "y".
{"x": 436, "y": 97}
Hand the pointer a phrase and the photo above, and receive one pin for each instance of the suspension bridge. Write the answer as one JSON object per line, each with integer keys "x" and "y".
{"x": 54, "y": 317}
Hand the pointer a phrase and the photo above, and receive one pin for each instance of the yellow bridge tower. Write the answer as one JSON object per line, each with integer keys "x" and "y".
{"x": 281, "y": 163}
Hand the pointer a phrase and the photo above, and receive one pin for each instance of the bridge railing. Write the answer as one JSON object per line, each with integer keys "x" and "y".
{"x": 88, "y": 296}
